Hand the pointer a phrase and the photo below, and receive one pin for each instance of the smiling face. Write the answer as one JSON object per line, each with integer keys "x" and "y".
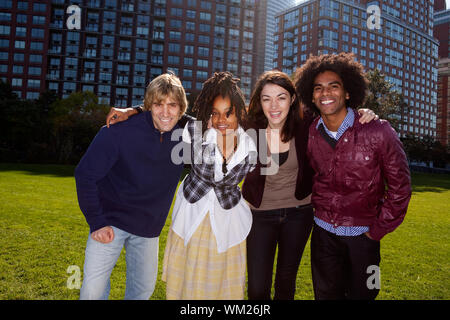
{"x": 165, "y": 114}
{"x": 329, "y": 94}
{"x": 219, "y": 119}
{"x": 275, "y": 103}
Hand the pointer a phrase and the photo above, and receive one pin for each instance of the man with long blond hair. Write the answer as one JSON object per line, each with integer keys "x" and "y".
{"x": 125, "y": 184}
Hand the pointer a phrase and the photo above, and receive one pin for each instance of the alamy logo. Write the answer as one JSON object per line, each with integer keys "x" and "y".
{"x": 74, "y": 280}
{"x": 374, "y": 19}
{"x": 181, "y": 153}
{"x": 374, "y": 280}
{"x": 74, "y": 20}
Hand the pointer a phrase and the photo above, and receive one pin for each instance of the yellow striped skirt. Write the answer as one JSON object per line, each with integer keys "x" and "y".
{"x": 199, "y": 272}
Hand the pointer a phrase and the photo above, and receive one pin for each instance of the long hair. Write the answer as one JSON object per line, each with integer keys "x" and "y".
{"x": 256, "y": 115}
{"x": 343, "y": 64}
{"x": 225, "y": 85}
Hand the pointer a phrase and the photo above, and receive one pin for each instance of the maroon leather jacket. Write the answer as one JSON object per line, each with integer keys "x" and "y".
{"x": 349, "y": 184}
{"x": 253, "y": 187}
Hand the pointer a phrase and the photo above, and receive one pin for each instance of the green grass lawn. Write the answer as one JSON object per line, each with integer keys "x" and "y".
{"x": 43, "y": 232}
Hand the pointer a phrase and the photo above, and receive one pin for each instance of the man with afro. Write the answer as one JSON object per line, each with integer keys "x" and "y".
{"x": 361, "y": 184}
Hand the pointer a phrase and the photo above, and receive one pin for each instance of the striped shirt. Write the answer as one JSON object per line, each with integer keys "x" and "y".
{"x": 340, "y": 230}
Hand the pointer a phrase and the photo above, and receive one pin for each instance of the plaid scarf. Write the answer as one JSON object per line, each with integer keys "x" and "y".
{"x": 201, "y": 178}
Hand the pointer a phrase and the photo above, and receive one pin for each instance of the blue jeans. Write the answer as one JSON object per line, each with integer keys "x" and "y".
{"x": 142, "y": 266}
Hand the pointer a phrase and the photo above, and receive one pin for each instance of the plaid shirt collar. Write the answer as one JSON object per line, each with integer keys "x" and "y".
{"x": 347, "y": 123}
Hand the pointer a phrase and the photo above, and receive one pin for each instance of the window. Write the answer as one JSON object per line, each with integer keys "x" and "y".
{"x": 20, "y": 31}
{"x": 173, "y": 60}
{"x": 106, "y": 65}
{"x": 4, "y": 43}
{"x": 202, "y": 63}
{"x": 34, "y": 71}
{"x": 19, "y": 57}
{"x": 38, "y": 19}
{"x": 189, "y": 49}
{"x": 4, "y": 16}
{"x": 18, "y": 44}
{"x": 17, "y": 69}
{"x": 22, "y": 5}
{"x": 141, "y": 43}
{"x": 6, "y": 30}
{"x": 39, "y": 7}
{"x": 6, "y": 4}
{"x": 203, "y": 39}
{"x": 142, "y": 31}
{"x": 174, "y": 47}
{"x": 202, "y": 75}
{"x": 16, "y": 82}
{"x": 187, "y": 73}
{"x": 37, "y": 33}
{"x": 203, "y": 52}
{"x": 33, "y": 83}
{"x": 205, "y": 16}
{"x": 21, "y": 18}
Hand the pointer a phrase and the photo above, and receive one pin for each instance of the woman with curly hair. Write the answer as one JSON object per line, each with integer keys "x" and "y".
{"x": 205, "y": 255}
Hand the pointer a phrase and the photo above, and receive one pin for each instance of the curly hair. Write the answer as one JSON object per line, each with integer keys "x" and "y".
{"x": 256, "y": 117}
{"x": 343, "y": 64}
{"x": 225, "y": 85}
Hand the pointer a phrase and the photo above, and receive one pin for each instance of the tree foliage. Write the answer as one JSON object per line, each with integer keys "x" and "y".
{"x": 386, "y": 102}
{"x": 426, "y": 150}
{"x": 48, "y": 130}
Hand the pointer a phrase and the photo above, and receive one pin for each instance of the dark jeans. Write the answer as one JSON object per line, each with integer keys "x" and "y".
{"x": 339, "y": 266}
{"x": 288, "y": 228}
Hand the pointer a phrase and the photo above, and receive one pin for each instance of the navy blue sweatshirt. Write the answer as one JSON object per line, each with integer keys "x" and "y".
{"x": 126, "y": 177}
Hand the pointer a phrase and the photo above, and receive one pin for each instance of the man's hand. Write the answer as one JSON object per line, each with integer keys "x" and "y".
{"x": 117, "y": 115}
{"x": 103, "y": 235}
{"x": 368, "y": 236}
{"x": 367, "y": 115}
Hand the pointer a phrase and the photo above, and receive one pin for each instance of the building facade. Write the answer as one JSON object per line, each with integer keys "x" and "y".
{"x": 266, "y": 29}
{"x": 442, "y": 33}
{"x": 121, "y": 45}
{"x": 24, "y": 40}
{"x": 398, "y": 41}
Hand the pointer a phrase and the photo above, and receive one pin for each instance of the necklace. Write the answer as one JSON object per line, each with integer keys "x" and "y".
{"x": 224, "y": 163}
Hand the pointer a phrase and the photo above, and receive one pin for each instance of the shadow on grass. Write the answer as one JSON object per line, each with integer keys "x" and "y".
{"x": 40, "y": 169}
{"x": 56, "y": 170}
{"x": 421, "y": 182}
{"x": 430, "y": 182}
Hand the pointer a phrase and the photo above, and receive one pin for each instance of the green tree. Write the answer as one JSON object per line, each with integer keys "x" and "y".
{"x": 25, "y": 126}
{"x": 386, "y": 102}
{"x": 440, "y": 155}
{"x": 76, "y": 120}
{"x": 48, "y": 130}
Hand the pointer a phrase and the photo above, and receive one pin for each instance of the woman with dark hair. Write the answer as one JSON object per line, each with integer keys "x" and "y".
{"x": 278, "y": 190}
{"x": 280, "y": 202}
{"x": 205, "y": 255}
